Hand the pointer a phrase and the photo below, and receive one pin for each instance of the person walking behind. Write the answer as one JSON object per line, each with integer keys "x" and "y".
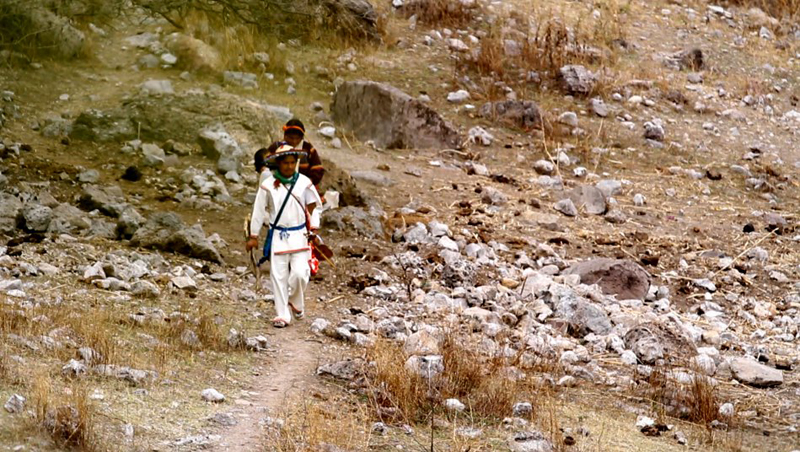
{"x": 285, "y": 202}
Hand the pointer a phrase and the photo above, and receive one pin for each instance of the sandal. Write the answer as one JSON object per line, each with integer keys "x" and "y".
{"x": 298, "y": 315}
{"x": 278, "y": 322}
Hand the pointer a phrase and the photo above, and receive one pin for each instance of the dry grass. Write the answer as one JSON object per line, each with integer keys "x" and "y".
{"x": 549, "y": 41}
{"x": 777, "y": 8}
{"x": 439, "y": 13}
{"x": 695, "y": 402}
{"x": 398, "y": 393}
{"x": 310, "y": 425}
{"x": 67, "y": 417}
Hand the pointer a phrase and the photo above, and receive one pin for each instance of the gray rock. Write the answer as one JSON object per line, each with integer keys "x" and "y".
{"x": 347, "y": 370}
{"x": 522, "y": 409}
{"x": 599, "y": 107}
{"x": 153, "y": 155}
{"x": 458, "y": 97}
{"x": 68, "y": 219}
{"x": 372, "y": 177}
{"x": 128, "y": 223}
{"x": 212, "y": 395}
{"x": 421, "y": 343}
{"x": 156, "y": 88}
{"x": 522, "y": 114}
{"x": 531, "y": 441}
{"x": 35, "y": 217}
{"x": 426, "y": 366}
{"x": 493, "y": 196}
{"x": 653, "y": 341}
{"x": 355, "y": 220}
{"x": 184, "y": 283}
{"x": 149, "y": 61}
{"x": 609, "y": 187}
{"x": 568, "y": 118}
{"x": 167, "y": 232}
{"x": 582, "y": 316}
{"x": 216, "y": 142}
{"x": 753, "y": 373}
{"x": 459, "y": 273}
{"x": 108, "y": 200}
{"x": 74, "y": 369}
{"x": 454, "y": 405}
{"x": 145, "y": 289}
{"x": 654, "y": 131}
{"x": 10, "y": 207}
{"x": 577, "y": 80}
{"x": 544, "y": 167}
{"x": 590, "y": 199}
{"x": 224, "y": 419}
{"x": 567, "y": 207}
{"x": 103, "y": 126}
{"x": 390, "y": 118}
{"x": 15, "y": 404}
{"x": 102, "y": 229}
{"x": 89, "y": 176}
{"x": 243, "y": 79}
{"x": 625, "y": 279}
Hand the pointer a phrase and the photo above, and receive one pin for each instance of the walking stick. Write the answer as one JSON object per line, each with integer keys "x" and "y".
{"x": 253, "y": 262}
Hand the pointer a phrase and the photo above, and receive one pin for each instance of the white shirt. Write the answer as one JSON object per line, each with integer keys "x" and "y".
{"x": 269, "y": 200}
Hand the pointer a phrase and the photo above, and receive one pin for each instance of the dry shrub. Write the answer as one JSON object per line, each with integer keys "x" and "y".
{"x": 549, "y": 42}
{"x": 776, "y": 8}
{"x": 398, "y": 393}
{"x": 310, "y": 426}
{"x": 97, "y": 328}
{"x": 441, "y": 12}
{"x": 68, "y": 417}
{"x": 209, "y": 328}
{"x": 695, "y": 402}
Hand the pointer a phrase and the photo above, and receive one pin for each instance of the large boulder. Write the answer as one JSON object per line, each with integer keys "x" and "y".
{"x": 524, "y": 114}
{"x": 653, "y": 341}
{"x": 68, "y": 219}
{"x": 193, "y": 54}
{"x": 109, "y": 200}
{"x": 390, "y": 117}
{"x": 581, "y": 315}
{"x": 10, "y": 207}
{"x": 590, "y": 199}
{"x": 753, "y": 373}
{"x": 167, "y": 232}
{"x": 34, "y": 217}
{"x": 365, "y": 223}
{"x": 625, "y": 279}
{"x": 181, "y": 117}
{"x": 577, "y": 80}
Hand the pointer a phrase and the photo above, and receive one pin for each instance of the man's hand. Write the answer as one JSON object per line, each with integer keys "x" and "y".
{"x": 251, "y": 243}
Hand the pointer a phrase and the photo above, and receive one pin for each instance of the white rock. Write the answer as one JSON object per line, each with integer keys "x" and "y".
{"x": 212, "y": 395}
{"x": 458, "y": 97}
{"x": 15, "y": 404}
{"x": 569, "y": 118}
{"x": 454, "y": 405}
{"x": 479, "y": 135}
{"x": 639, "y": 200}
{"x": 726, "y": 410}
{"x": 328, "y": 132}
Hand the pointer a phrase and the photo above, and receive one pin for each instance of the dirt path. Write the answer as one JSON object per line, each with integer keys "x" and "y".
{"x": 291, "y": 370}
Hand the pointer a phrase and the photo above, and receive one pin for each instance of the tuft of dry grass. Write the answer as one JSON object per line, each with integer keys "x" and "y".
{"x": 68, "y": 418}
{"x": 311, "y": 426}
{"x": 441, "y": 12}
{"x": 695, "y": 402}
{"x": 483, "y": 385}
{"x": 777, "y": 8}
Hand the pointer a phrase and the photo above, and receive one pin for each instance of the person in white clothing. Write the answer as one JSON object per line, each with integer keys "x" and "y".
{"x": 289, "y": 217}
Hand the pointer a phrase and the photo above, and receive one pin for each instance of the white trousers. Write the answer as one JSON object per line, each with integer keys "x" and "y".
{"x": 289, "y": 274}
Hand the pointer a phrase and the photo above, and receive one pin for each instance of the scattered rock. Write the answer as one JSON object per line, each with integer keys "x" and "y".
{"x": 522, "y": 114}
{"x": 166, "y": 231}
{"x": 625, "y": 279}
{"x": 390, "y": 118}
{"x": 15, "y": 404}
{"x": 654, "y": 341}
{"x": 530, "y": 441}
{"x": 493, "y": 196}
{"x": 752, "y": 373}
{"x": 577, "y": 80}
{"x": 347, "y": 370}
{"x": 567, "y": 207}
{"x": 108, "y": 200}
{"x": 590, "y": 199}
{"x": 35, "y": 218}
{"x": 458, "y": 97}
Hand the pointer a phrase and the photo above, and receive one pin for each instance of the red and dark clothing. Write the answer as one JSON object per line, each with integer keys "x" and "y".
{"x": 310, "y": 165}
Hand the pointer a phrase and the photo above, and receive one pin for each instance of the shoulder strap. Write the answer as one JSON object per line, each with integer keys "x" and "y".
{"x": 285, "y": 200}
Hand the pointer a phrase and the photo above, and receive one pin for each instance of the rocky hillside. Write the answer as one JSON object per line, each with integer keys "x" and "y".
{"x": 558, "y": 226}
